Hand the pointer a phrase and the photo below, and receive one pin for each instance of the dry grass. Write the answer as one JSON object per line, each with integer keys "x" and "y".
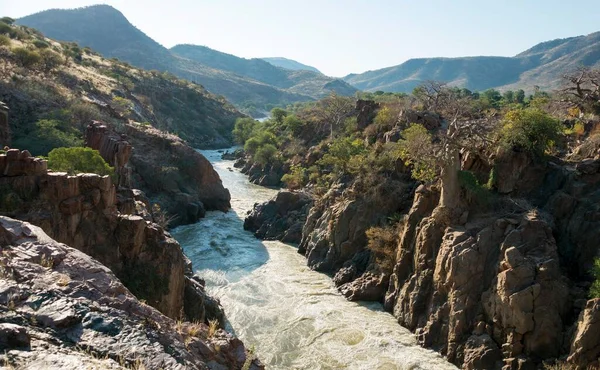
{"x": 63, "y": 280}
{"x": 213, "y": 326}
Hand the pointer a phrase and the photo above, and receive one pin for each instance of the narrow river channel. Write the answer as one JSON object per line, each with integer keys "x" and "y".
{"x": 293, "y": 317}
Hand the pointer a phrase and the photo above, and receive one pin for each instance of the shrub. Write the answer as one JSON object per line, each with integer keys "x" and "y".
{"x": 242, "y": 129}
{"x": 49, "y": 60}
{"x": 25, "y": 57}
{"x": 531, "y": 130}
{"x": 78, "y": 160}
{"x": 296, "y": 178}
{"x": 416, "y": 150}
{"x": 4, "y": 41}
{"x": 41, "y": 44}
{"x": 46, "y": 135}
{"x": 265, "y": 154}
{"x": 595, "y": 288}
{"x": 121, "y": 105}
{"x": 7, "y": 20}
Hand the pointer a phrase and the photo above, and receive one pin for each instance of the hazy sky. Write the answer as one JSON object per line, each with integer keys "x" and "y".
{"x": 348, "y": 36}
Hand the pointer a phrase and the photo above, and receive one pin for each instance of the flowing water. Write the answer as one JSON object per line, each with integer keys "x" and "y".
{"x": 292, "y": 316}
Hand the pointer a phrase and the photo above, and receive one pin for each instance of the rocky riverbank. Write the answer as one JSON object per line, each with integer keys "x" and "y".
{"x": 503, "y": 286}
{"x": 61, "y": 309}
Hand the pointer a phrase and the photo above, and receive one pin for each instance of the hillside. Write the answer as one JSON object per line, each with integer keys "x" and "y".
{"x": 300, "y": 81}
{"x": 542, "y": 65}
{"x": 252, "y": 85}
{"x": 55, "y": 89}
{"x": 290, "y": 64}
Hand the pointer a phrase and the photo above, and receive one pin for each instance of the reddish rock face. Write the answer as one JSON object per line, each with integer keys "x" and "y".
{"x": 81, "y": 211}
{"x": 114, "y": 148}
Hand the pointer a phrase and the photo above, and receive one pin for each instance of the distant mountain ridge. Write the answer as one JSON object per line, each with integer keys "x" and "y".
{"x": 108, "y": 31}
{"x": 290, "y": 64}
{"x": 542, "y": 65}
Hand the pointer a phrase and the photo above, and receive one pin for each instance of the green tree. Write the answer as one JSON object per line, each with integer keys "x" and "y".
{"x": 508, "y": 97}
{"x": 340, "y": 153}
{"x": 530, "y": 129}
{"x": 520, "y": 96}
{"x": 243, "y": 129}
{"x": 7, "y": 20}
{"x": 491, "y": 98}
{"x": 46, "y": 135}
{"x": 416, "y": 150}
{"x": 278, "y": 115}
{"x": 265, "y": 154}
{"x": 78, "y": 160}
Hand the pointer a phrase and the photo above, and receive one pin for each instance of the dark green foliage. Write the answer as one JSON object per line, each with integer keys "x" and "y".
{"x": 7, "y": 20}
{"x": 48, "y": 134}
{"x": 265, "y": 154}
{"x": 78, "y": 160}
{"x": 26, "y": 58}
{"x": 243, "y": 129}
{"x": 40, "y": 44}
{"x": 475, "y": 192}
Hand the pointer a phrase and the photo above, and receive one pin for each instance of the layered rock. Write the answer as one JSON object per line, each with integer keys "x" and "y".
{"x": 65, "y": 310}
{"x": 281, "y": 218}
{"x": 173, "y": 175}
{"x": 81, "y": 211}
{"x": 114, "y": 148}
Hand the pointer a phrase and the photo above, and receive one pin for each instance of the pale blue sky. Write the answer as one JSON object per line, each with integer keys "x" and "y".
{"x": 345, "y": 36}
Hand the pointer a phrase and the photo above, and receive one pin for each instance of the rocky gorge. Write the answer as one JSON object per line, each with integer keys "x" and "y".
{"x": 502, "y": 285}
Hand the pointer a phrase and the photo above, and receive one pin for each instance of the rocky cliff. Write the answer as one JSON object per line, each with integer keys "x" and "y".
{"x": 82, "y": 212}
{"x": 502, "y": 286}
{"x": 171, "y": 174}
{"x": 61, "y": 309}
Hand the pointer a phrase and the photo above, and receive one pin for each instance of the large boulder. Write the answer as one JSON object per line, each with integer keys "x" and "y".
{"x": 281, "y": 218}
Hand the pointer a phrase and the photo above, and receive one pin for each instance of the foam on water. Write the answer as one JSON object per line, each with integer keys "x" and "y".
{"x": 292, "y": 316}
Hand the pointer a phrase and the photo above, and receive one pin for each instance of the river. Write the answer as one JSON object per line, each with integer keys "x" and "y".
{"x": 293, "y": 317}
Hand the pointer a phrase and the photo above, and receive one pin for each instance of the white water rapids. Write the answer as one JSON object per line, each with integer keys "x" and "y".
{"x": 293, "y": 317}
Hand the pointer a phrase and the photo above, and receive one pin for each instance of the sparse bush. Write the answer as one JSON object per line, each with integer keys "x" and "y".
{"x": 121, "y": 105}
{"x": 49, "y": 60}
{"x": 26, "y": 58}
{"x": 4, "y": 41}
{"x": 416, "y": 150}
{"x": 41, "y": 44}
{"x": 382, "y": 242}
{"x": 531, "y": 130}
{"x": 78, "y": 160}
{"x": 296, "y": 178}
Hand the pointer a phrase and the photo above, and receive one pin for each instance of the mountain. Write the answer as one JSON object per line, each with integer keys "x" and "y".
{"x": 246, "y": 83}
{"x": 290, "y": 64}
{"x": 305, "y": 82}
{"x": 542, "y": 65}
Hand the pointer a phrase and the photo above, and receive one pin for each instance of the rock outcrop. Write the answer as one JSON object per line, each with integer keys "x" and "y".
{"x": 366, "y": 110}
{"x": 114, "y": 148}
{"x": 281, "y": 218}
{"x": 173, "y": 175}
{"x": 4, "y": 127}
{"x": 81, "y": 211}
{"x": 61, "y": 309}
